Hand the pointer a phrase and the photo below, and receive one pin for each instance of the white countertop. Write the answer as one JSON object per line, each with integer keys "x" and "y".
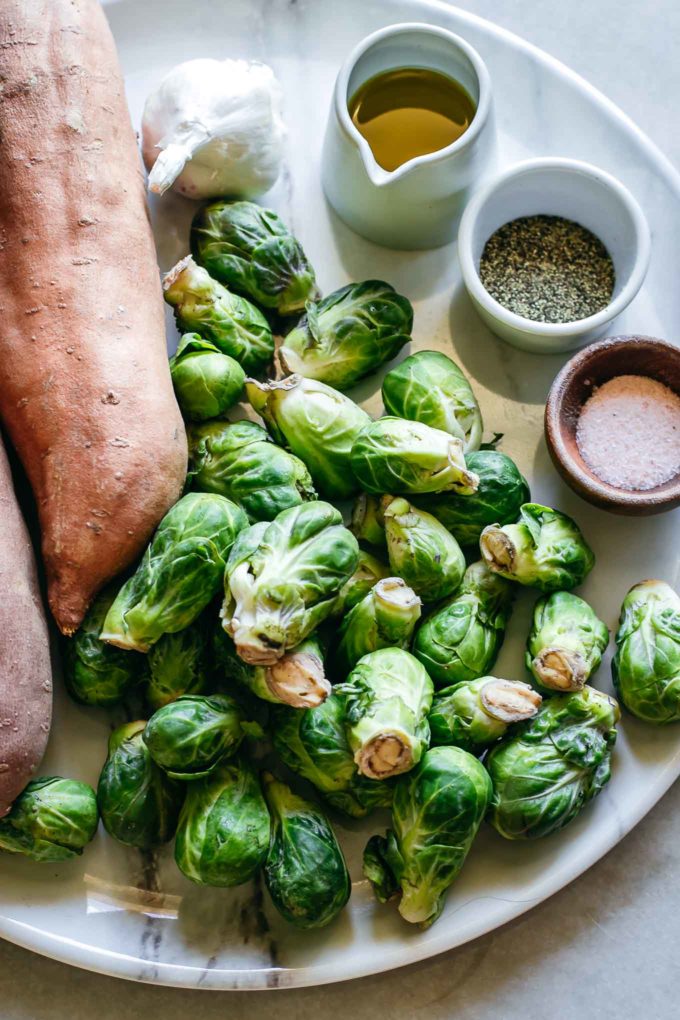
{"x": 606, "y": 946}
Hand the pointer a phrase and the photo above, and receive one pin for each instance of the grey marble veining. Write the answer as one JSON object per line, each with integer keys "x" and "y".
{"x": 606, "y": 945}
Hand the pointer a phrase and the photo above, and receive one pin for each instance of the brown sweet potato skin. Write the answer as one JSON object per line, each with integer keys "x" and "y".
{"x": 85, "y": 391}
{"x": 25, "y": 672}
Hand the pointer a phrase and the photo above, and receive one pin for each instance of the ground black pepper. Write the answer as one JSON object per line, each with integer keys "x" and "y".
{"x": 548, "y": 269}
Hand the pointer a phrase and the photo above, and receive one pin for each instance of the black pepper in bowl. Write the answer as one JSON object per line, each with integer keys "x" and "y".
{"x": 548, "y": 269}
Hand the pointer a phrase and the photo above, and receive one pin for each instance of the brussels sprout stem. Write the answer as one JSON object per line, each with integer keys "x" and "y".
{"x": 386, "y": 754}
{"x": 254, "y": 648}
{"x": 115, "y": 632}
{"x": 298, "y": 680}
{"x": 561, "y": 669}
{"x": 395, "y": 593}
{"x": 255, "y": 653}
{"x": 257, "y": 391}
{"x": 417, "y": 906}
{"x": 469, "y": 481}
{"x": 497, "y": 549}
{"x": 510, "y": 702}
{"x": 173, "y": 275}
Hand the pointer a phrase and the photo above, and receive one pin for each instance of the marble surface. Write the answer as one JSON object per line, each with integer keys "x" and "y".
{"x": 603, "y": 947}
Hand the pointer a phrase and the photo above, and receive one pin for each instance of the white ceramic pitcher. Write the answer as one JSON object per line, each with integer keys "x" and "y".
{"x": 418, "y": 205}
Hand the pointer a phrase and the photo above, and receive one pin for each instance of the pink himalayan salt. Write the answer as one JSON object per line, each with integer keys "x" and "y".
{"x": 628, "y": 432}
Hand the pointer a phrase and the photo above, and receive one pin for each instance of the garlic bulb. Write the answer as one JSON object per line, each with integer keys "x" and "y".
{"x": 218, "y": 126}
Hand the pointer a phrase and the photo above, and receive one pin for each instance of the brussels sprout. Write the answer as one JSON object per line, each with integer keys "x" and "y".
{"x": 544, "y": 549}
{"x": 96, "y": 673}
{"x": 387, "y": 696}
{"x": 646, "y": 667}
{"x": 180, "y": 572}
{"x": 554, "y": 765}
{"x": 368, "y": 523}
{"x": 251, "y": 249}
{"x": 500, "y": 494}
{"x": 362, "y": 796}
{"x": 241, "y": 462}
{"x": 223, "y": 830}
{"x": 52, "y": 820}
{"x": 139, "y": 805}
{"x": 305, "y": 870}
{"x": 231, "y": 323}
{"x": 421, "y": 550}
{"x": 297, "y": 678}
{"x": 384, "y": 618}
{"x": 207, "y": 383}
{"x": 178, "y": 664}
{"x": 393, "y": 455}
{"x": 317, "y": 423}
{"x": 437, "y": 810}
{"x": 313, "y": 744}
{"x": 430, "y": 388}
{"x": 461, "y": 639}
{"x": 191, "y": 736}
{"x": 368, "y": 572}
{"x": 566, "y": 642}
{"x": 348, "y": 334}
{"x": 477, "y": 713}
{"x": 282, "y": 579}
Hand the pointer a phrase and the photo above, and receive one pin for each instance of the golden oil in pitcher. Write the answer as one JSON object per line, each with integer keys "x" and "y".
{"x": 409, "y": 112}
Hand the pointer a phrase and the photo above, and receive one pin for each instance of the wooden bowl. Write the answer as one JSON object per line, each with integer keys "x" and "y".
{"x": 594, "y": 365}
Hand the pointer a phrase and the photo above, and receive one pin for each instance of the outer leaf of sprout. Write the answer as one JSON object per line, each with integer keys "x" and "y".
{"x": 566, "y": 642}
{"x": 282, "y": 579}
{"x": 53, "y": 819}
{"x": 250, "y": 249}
{"x": 500, "y": 493}
{"x": 191, "y": 736}
{"x": 430, "y": 388}
{"x": 239, "y": 461}
{"x": 394, "y": 455}
{"x": 547, "y": 772}
{"x": 477, "y": 713}
{"x": 305, "y": 870}
{"x": 421, "y": 550}
{"x": 317, "y": 423}
{"x": 387, "y": 695}
{"x": 385, "y": 618}
{"x": 223, "y": 830}
{"x": 202, "y": 305}
{"x": 461, "y": 638}
{"x": 348, "y": 334}
{"x": 646, "y": 667}
{"x": 207, "y": 383}
{"x": 138, "y": 803}
{"x": 180, "y": 572}
{"x": 437, "y": 810}
{"x": 544, "y": 549}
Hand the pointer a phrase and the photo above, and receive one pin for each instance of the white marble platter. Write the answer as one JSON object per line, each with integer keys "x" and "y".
{"x": 132, "y": 915}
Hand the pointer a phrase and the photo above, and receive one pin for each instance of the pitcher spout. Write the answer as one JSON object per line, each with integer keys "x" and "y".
{"x": 376, "y": 174}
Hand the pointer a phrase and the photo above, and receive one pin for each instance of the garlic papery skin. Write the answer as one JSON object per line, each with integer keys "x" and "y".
{"x": 213, "y": 128}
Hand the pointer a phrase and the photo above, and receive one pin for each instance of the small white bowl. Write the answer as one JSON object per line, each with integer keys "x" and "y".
{"x": 576, "y": 191}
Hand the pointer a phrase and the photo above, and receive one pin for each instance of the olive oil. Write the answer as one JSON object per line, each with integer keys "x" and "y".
{"x": 408, "y": 112}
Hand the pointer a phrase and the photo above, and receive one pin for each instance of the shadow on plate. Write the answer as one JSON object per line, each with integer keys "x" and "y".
{"x": 511, "y": 373}
{"x": 416, "y": 274}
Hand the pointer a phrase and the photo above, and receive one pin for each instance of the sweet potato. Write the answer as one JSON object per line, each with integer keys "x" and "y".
{"x": 25, "y": 673}
{"x": 85, "y": 391}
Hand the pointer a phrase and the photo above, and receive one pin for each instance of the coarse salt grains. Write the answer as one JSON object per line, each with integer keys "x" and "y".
{"x": 628, "y": 432}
